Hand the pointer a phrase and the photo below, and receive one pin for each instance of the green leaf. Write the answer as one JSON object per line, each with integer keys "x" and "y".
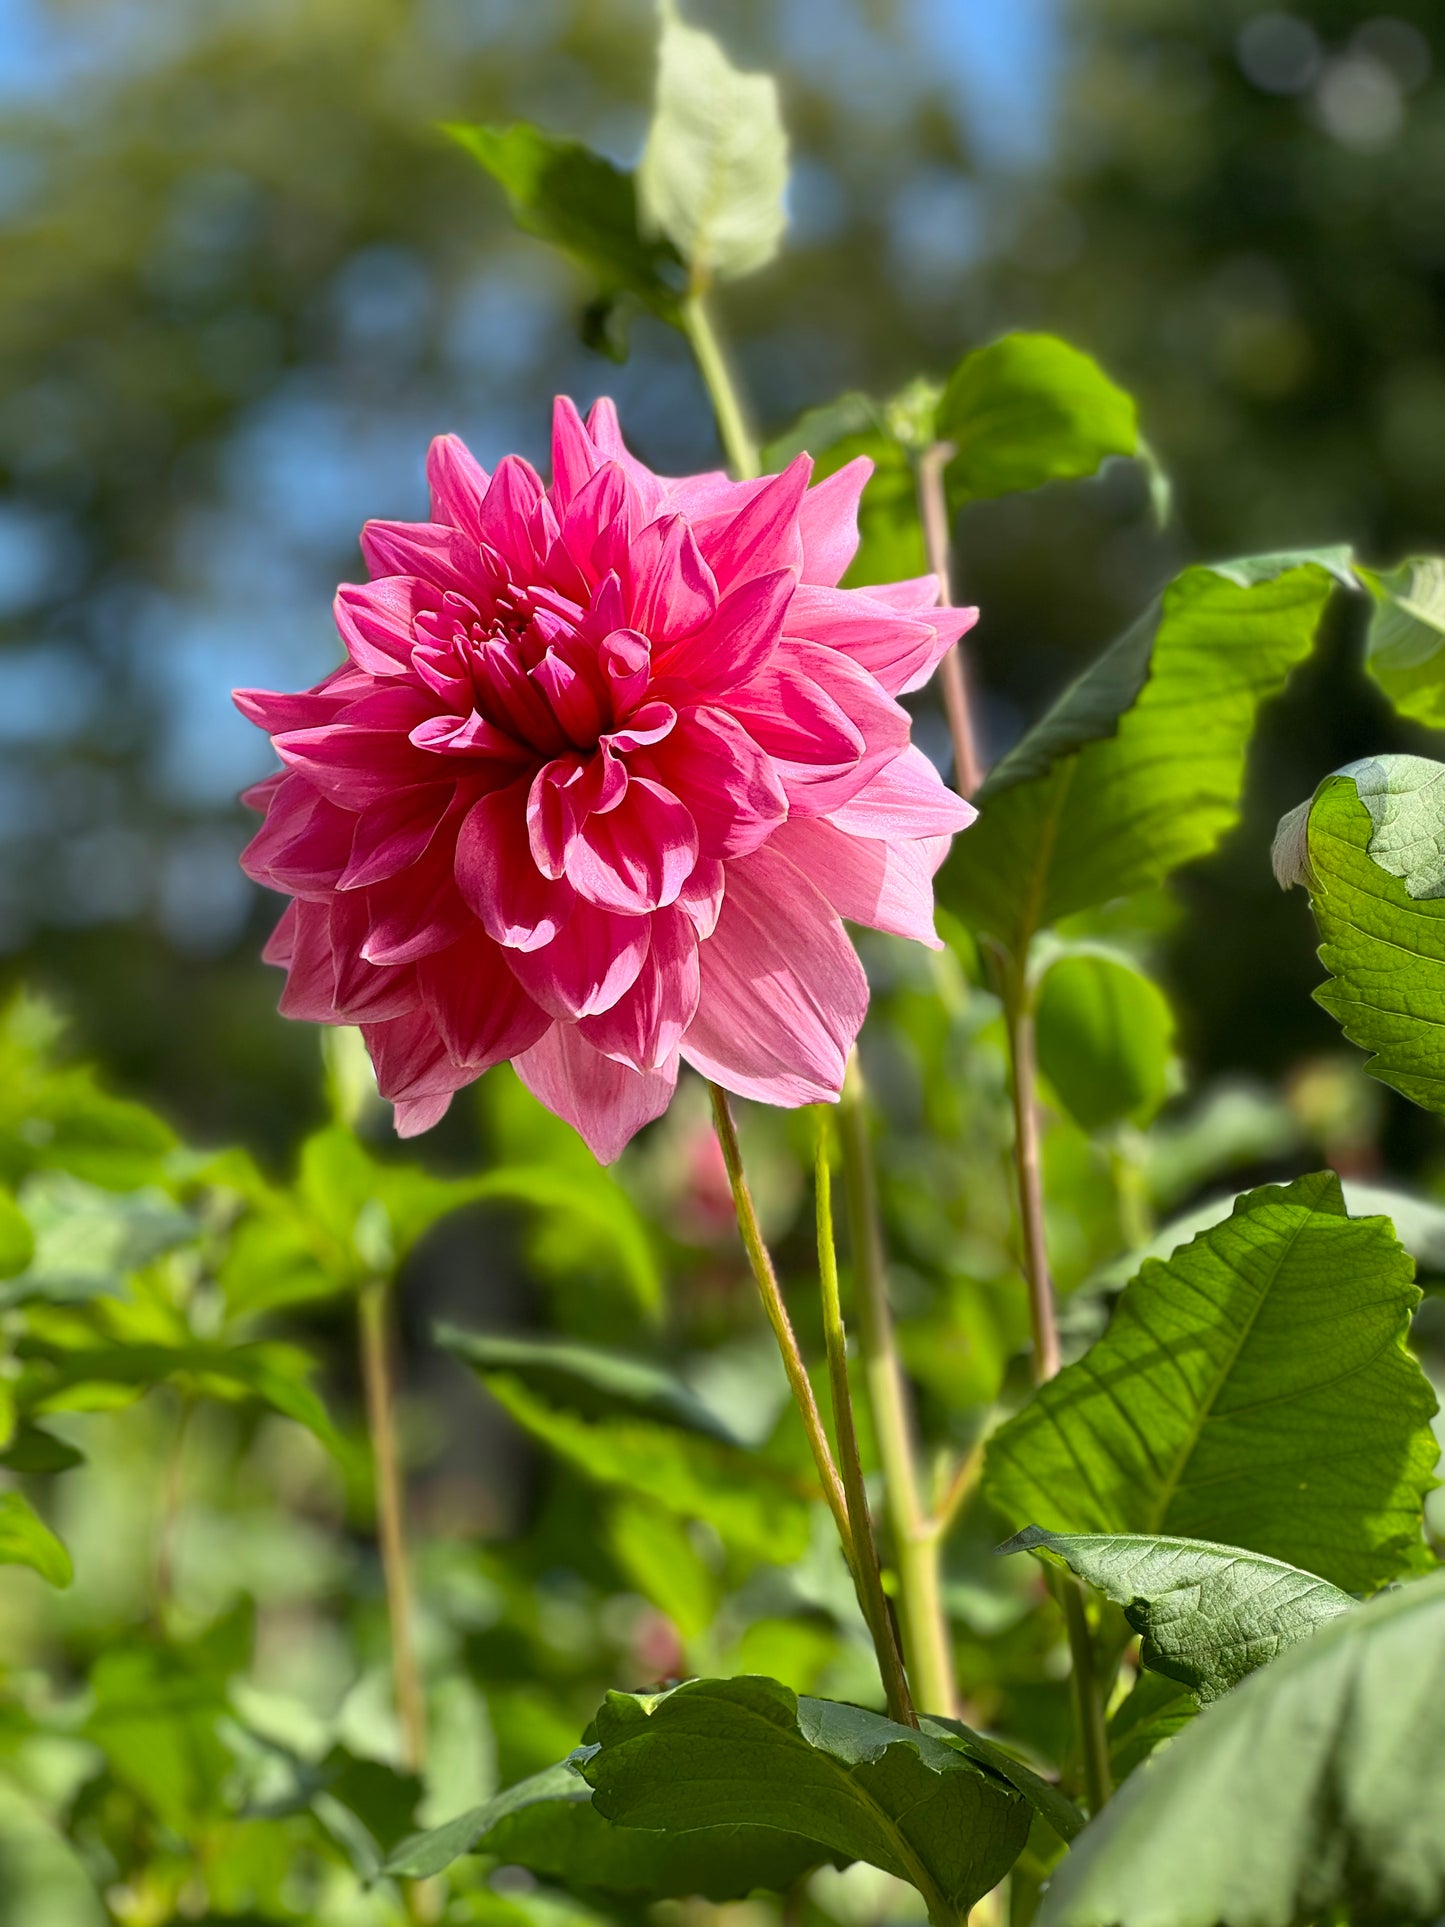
{"x": 1254, "y": 1391}
{"x": 89, "y": 1239}
{"x": 744, "y": 1752}
{"x": 624, "y": 1424}
{"x": 550, "y": 1825}
{"x": 17, "y": 1242}
{"x": 25, "y": 1540}
{"x": 715, "y": 168}
{"x": 1154, "y": 1710}
{"x": 1405, "y": 646}
{"x": 1312, "y": 1792}
{"x": 1370, "y": 846}
{"x": 890, "y": 538}
{"x": 1138, "y": 766}
{"x": 34, "y": 1450}
{"x": 1105, "y": 1039}
{"x": 565, "y": 194}
{"x": 1208, "y": 1614}
{"x": 655, "y": 1553}
{"x": 1030, "y": 409}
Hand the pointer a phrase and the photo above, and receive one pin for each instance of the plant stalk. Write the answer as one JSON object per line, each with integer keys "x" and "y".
{"x": 732, "y": 423}
{"x": 927, "y": 1646}
{"x": 866, "y": 1572}
{"x": 777, "y": 1313}
{"x": 953, "y": 669}
{"x": 374, "y": 1313}
{"x": 1090, "y": 1714}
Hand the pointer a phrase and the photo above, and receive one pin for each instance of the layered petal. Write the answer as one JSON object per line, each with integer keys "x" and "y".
{"x": 605, "y": 1102}
{"x": 907, "y": 798}
{"x": 886, "y": 886}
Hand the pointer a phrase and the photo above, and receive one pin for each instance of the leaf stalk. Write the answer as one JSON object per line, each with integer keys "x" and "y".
{"x": 739, "y": 445}
{"x": 953, "y": 669}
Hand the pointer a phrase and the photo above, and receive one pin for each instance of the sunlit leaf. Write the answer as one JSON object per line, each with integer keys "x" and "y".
{"x": 17, "y": 1241}
{"x": 715, "y": 167}
{"x": 89, "y": 1239}
{"x": 1105, "y": 1039}
{"x": 1313, "y": 1791}
{"x": 1208, "y": 1614}
{"x": 26, "y": 1540}
{"x": 1137, "y": 768}
{"x": 1254, "y": 1391}
{"x": 1405, "y": 649}
{"x": 1370, "y": 847}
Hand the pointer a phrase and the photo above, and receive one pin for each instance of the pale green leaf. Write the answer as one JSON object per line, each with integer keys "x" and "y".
{"x": 1313, "y": 1791}
{"x": 17, "y": 1242}
{"x": 1254, "y": 1391}
{"x": 1405, "y": 648}
{"x": 26, "y": 1540}
{"x": 1208, "y": 1614}
{"x": 1105, "y": 1039}
{"x": 715, "y": 167}
{"x": 1137, "y": 768}
{"x": 1371, "y": 849}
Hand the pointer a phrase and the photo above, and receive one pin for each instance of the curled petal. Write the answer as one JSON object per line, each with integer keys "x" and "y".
{"x": 481, "y": 1013}
{"x": 377, "y": 620}
{"x": 592, "y": 961}
{"x": 906, "y": 798}
{"x": 498, "y": 878}
{"x": 646, "y": 1024}
{"x": 605, "y": 1102}
{"x": 739, "y": 640}
{"x": 637, "y": 856}
{"x": 729, "y": 784}
{"x": 304, "y": 844}
{"x": 885, "y": 886}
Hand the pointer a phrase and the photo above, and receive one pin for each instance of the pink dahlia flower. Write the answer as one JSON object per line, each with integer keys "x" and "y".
{"x": 606, "y": 766}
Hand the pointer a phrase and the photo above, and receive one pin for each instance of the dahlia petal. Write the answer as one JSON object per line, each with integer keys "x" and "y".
{"x": 505, "y": 514}
{"x": 700, "y": 898}
{"x": 729, "y": 785}
{"x": 896, "y": 650}
{"x": 593, "y": 959}
{"x": 469, "y": 735}
{"x": 279, "y": 711}
{"x": 673, "y": 591}
{"x": 713, "y": 493}
{"x": 410, "y": 1059}
{"x": 258, "y": 795}
{"x": 365, "y": 992}
{"x": 280, "y": 946}
{"x": 458, "y": 484}
{"x": 413, "y": 1115}
{"x": 564, "y": 793}
{"x": 304, "y": 844}
{"x": 377, "y": 620}
{"x": 645, "y": 728}
{"x": 481, "y": 1012}
{"x": 574, "y": 458}
{"x": 606, "y": 432}
{"x": 626, "y": 659}
{"x": 828, "y": 521}
{"x": 637, "y": 856}
{"x": 605, "y": 1102}
{"x": 498, "y": 878}
{"x": 906, "y": 798}
{"x": 441, "y": 556}
{"x": 740, "y": 639}
{"x": 646, "y": 1024}
{"x": 825, "y": 722}
{"x": 886, "y": 886}
{"x": 763, "y": 535}
{"x": 600, "y": 503}
{"x": 363, "y": 755}
{"x": 783, "y": 994}
{"x": 573, "y": 696}
{"x": 391, "y": 834}
{"x": 310, "y": 992}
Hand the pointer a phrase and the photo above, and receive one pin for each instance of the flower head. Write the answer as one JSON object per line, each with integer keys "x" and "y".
{"x": 607, "y": 764}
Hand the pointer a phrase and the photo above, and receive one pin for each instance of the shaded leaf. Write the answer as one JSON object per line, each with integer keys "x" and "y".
{"x": 1405, "y": 647}
{"x": 1254, "y": 1391}
{"x": 17, "y": 1242}
{"x": 1315, "y": 1787}
{"x": 1154, "y": 1710}
{"x": 34, "y": 1450}
{"x": 1137, "y": 768}
{"x": 26, "y": 1540}
{"x": 748, "y": 1752}
{"x": 1370, "y": 846}
{"x": 1208, "y": 1614}
{"x": 550, "y": 1825}
{"x": 1105, "y": 1039}
{"x": 715, "y": 168}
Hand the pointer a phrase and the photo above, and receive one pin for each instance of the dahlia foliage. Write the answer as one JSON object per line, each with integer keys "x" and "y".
{"x": 606, "y": 766}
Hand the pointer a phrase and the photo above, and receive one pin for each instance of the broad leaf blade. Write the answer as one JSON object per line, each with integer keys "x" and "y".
{"x": 715, "y": 168}
{"x": 746, "y": 1752}
{"x": 1405, "y": 649}
{"x": 1137, "y": 768}
{"x": 1105, "y": 1039}
{"x": 1313, "y": 1791}
{"x": 1254, "y": 1391}
{"x": 1371, "y": 848}
{"x": 1030, "y": 409}
{"x": 550, "y": 1825}
{"x": 1208, "y": 1614}
{"x": 26, "y": 1540}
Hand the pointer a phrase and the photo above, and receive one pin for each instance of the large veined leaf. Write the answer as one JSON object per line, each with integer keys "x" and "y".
{"x": 1137, "y": 768}
{"x": 1105, "y": 1039}
{"x": 1313, "y": 1791}
{"x": 565, "y": 194}
{"x": 715, "y": 168}
{"x": 550, "y": 1825}
{"x": 1208, "y": 1614}
{"x": 1405, "y": 650}
{"x": 925, "y": 1806}
{"x": 1370, "y": 846}
{"x": 26, "y": 1540}
{"x": 627, "y": 1426}
{"x": 1254, "y": 1391}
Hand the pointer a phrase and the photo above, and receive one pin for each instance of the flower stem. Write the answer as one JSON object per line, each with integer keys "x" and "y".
{"x": 953, "y": 670}
{"x": 374, "y": 1309}
{"x": 732, "y": 422}
{"x": 1089, "y": 1710}
{"x": 777, "y": 1313}
{"x": 927, "y": 1645}
{"x": 866, "y": 1572}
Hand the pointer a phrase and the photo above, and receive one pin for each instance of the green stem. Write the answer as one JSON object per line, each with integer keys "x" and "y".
{"x": 866, "y": 1573}
{"x": 927, "y": 1646}
{"x": 732, "y": 423}
{"x": 777, "y": 1314}
{"x": 953, "y": 669}
{"x": 1089, "y": 1709}
{"x": 374, "y": 1314}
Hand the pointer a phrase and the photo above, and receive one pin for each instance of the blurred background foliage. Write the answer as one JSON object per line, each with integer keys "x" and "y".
{"x": 242, "y": 281}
